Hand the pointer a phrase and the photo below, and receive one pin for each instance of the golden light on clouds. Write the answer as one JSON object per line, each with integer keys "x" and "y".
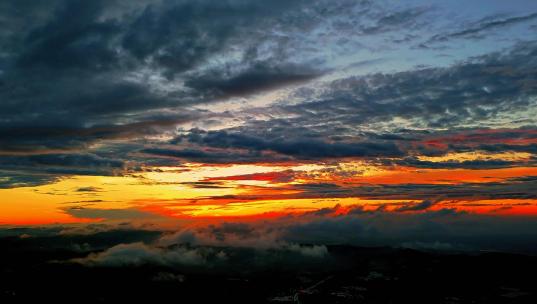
{"x": 200, "y": 190}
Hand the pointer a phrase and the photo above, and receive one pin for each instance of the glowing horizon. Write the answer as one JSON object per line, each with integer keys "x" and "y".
{"x": 175, "y": 113}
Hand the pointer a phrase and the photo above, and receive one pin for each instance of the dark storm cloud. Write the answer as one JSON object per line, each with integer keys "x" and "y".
{"x": 179, "y": 35}
{"x": 32, "y": 170}
{"x": 236, "y": 147}
{"x": 60, "y": 160}
{"x": 70, "y": 69}
{"x": 65, "y": 41}
{"x": 64, "y": 74}
{"x": 301, "y": 148}
{"x": 74, "y": 64}
{"x": 15, "y": 179}
{"x": 175, "y": 35}
{"x": 216, "y": 156}
{"x": 55, "y": 121}
{"x": 255, "y": 79}
{"x": 75, "y": 73}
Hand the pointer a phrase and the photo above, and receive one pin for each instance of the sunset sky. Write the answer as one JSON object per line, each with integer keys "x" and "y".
{"x": 275, "y": 114}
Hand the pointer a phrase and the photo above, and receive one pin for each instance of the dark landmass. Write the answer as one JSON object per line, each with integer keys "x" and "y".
{"x": 37, "y": 269}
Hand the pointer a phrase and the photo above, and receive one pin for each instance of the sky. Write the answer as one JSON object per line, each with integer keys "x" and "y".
{"x": 252, "y": 122}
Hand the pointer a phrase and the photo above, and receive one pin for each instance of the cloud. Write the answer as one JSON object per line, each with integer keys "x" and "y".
{"x": 273, "y": 177}
{"x": 484, "y": 25}
{"x": 81, "y": 238}
{"x": 31, "y": 170}
{"x": 378, "y": 228}
{"x": 14, "y": 180}
{"x": 441, "y": 191}
{"x": 287, "y": 240}
{"x": 467, "y": 164}
{"x": 180, "y": 35}
{"x": 81, "y": 65}
{"x": 365, "y": 228}
{"x": 138, "y": 254}
{"x": 476, "y": 90}
{"x": 78, "y": 57}
{"x": 81, "y": 74}
{"x": 215, "y": 259}
{"x": 315, "y": 251}
{"x": 300, "y": 148}
{"x": 88, "y": 189}
{"x": 109, "y": 88}
{"x": 45, "y": 231}
{"x": 93, "y": 88}
{"x": 424, "y": 205}
{"x": 395, "y": 20}
{"x": 65, "y": 41}
{"x": 206, "y": 185}
{"x": 429, "y": 246}
{"x": 257, "y": 78}
{"x": 211, "y": 156}
{"x": 392, "y": 116}
{"x": 108, "y": 214}
{"x": 307, "y": 235}
{"x": 507, "y": 189}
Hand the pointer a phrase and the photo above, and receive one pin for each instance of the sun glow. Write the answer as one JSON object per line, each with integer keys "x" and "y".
{"x": 201, "y": 190}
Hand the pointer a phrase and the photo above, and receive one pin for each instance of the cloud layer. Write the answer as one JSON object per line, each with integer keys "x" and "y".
{"x": 275, "y": 127}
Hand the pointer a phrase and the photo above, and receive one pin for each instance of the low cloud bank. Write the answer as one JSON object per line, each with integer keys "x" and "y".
{"x": 287, "y": 240}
